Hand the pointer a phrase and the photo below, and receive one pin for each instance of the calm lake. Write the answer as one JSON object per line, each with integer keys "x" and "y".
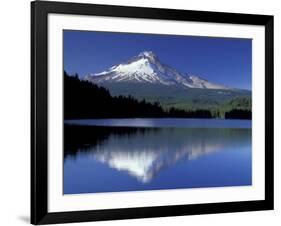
{"x": 111, "y": 155}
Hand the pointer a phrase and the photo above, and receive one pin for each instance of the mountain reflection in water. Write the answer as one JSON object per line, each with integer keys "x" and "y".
{"x": 143, "y": 153}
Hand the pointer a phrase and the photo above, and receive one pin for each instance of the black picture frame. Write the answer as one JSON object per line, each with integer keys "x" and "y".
{"x": 39, "y": 112}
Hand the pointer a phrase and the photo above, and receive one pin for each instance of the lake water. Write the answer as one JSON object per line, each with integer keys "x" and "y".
{"x": 113, "y": 155}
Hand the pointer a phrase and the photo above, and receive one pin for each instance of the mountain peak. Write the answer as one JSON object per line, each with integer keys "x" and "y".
{"x": 146, "y": 68}
{"x": 147, "y": 54}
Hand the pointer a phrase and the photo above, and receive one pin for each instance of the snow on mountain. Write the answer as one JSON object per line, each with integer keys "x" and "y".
{"x": 146, "y": 68}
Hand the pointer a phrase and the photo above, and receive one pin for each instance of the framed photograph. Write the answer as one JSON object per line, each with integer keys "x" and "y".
{"x": 145, "y": 112}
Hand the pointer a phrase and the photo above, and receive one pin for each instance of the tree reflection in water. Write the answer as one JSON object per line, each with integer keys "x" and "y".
{"x": 144, "y": 152}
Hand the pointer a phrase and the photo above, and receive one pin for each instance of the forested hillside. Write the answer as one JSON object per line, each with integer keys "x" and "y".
{"x": 83, "y": 99}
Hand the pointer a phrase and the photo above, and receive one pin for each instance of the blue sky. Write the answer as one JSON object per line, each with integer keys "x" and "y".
{"x": 222, "y": 60}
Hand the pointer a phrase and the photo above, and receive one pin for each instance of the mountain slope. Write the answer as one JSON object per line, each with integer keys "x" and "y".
{"x": 145, "y": 77}
{"x": 146, "y": 68}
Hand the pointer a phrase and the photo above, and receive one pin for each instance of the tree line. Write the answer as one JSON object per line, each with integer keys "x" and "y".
{"x": 83, "y": 99}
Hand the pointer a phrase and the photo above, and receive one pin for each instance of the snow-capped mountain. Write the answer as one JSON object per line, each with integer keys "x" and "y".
{"x": 146, "y": 68}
